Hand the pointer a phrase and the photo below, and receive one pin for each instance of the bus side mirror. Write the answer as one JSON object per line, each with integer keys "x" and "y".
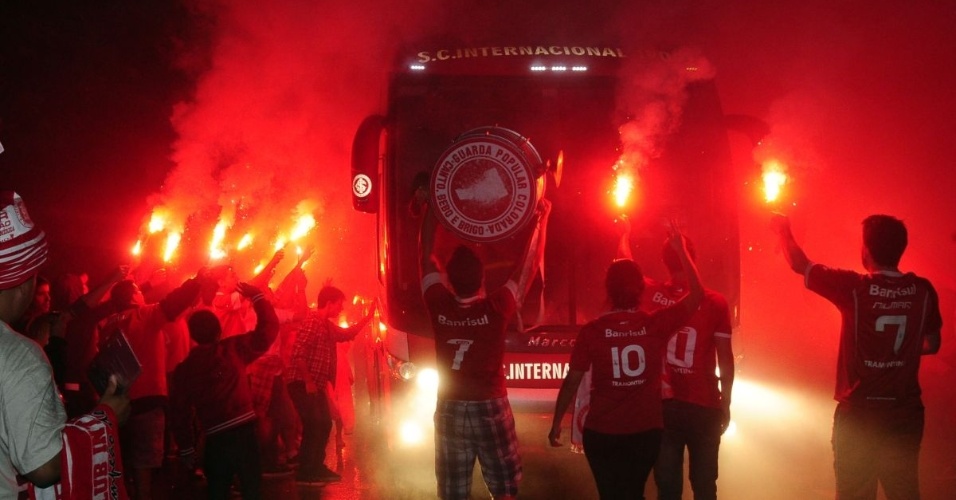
{"x": 367, "y": 155}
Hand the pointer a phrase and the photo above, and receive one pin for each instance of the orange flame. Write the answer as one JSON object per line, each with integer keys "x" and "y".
{"x": 215, "y": 247}
{"x": 244, "y": 242}
{"x": 280, "y": 243}
{"x": 303, "y": 225}
{"x": 774, "y": 177}
{"x": 157, "y": 221}
{"x": 623, "y": 186}
{"x": 172, "y": 242}
{"x": 222, "y": 242}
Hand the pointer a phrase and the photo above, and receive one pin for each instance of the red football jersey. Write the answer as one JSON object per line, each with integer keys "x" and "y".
{"x": 691, "y": 357}
{"x": 469, "y": 340}
{"x": 884, "y": 318}
{"x": 624, "y": 350}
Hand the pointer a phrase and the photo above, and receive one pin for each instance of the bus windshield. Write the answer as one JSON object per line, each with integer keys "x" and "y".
{"x": 572, "y": 121}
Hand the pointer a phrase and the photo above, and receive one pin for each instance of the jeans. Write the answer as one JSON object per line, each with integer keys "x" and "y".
{"x": 698, "y": 429}
{"x": 316, "y": 419}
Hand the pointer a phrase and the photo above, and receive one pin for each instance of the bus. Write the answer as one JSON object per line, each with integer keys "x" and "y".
{"x": 484, "y": 134}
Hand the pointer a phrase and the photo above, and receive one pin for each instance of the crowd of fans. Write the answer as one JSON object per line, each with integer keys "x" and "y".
{"x": 214, "y": 378}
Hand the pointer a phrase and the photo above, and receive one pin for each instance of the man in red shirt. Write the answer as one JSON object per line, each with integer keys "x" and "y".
{"x": 696, "y": 407}
{"x": 473, "y": 417}
{"x": 889, "y": 320}
{"x": 624, "y": 351}
{"x": 144, "y": 434}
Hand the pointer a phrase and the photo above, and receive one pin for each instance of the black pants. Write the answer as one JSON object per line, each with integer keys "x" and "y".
{"x": 316, "y": 425}
{"x": 231, "y": 453}
{"x": 698, "y": 429}
{"x": 873, "y": 445}
{"x": 621, "y": 463}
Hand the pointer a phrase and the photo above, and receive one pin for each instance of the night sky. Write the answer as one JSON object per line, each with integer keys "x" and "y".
{"x": 85, "y": 98}
{"x": 101, "y": 103}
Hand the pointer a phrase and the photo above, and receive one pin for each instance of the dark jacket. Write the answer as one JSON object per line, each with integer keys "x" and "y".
{"x": 212, "y": 380}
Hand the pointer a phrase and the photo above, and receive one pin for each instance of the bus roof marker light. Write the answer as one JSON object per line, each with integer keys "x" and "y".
{"x": 538, "y": 68}
{"x": 559, "y": 68}
{"x": 417, "y": 67}
{"x": 579, "y": 68}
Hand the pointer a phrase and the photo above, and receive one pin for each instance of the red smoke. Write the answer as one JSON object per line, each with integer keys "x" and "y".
{"x": 858, "y": 99}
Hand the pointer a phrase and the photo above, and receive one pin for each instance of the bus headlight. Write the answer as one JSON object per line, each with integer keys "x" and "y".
{"x": 411, "y": 433}
{"x": 427, "y": 381}
{"x": 407, "y": 370}
{"x": 416, "y": 411}
{"x": 398, "y": 368}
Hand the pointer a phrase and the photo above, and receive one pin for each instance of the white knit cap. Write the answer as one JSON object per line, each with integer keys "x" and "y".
{"x": 23, "y": 247}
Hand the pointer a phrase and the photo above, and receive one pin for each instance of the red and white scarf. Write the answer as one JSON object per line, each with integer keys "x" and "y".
{"x": 91, "y": 465}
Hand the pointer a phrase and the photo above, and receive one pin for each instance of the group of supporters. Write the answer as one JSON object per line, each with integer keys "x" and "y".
{"x": 650, "y": 366}
{"x": 227, "y": 370}
{"x": 214, "y": 375}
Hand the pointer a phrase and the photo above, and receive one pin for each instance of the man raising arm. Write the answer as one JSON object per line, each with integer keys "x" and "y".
{"x": 889, "y": 320}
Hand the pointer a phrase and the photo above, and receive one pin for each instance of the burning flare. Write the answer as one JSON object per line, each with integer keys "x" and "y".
{"x": 157, "y": 221}
{"x": 244, "y": 242}
{"x": 774, "y": 177}
{"x": 280, "y": 243}
{"x": 303, "y": 225}
{"x": 179, "y": 226}
{"x": 172, "y": 242}
{"x": 216, "y": 251}
{"x": 623, "y": 186}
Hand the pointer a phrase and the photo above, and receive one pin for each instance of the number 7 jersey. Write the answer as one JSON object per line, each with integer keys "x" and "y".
{"x": 469, "y": 340}
{"x": 885, "y": 317}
